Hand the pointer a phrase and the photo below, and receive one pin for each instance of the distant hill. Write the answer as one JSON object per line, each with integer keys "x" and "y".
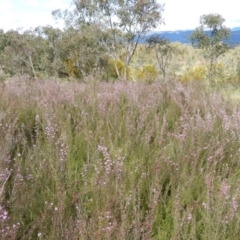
{"x": 182, "y": 36}
{"x": 236, "y": 28}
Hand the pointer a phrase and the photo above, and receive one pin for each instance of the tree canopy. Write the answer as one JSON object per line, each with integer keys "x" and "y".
{"x": 209, "y": 37}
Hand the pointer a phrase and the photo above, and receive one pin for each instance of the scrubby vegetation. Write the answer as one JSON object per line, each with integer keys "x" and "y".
{"x": 102, "y": 137}
{"x": 110, "y": 41}
{"x": 118, "y": 161}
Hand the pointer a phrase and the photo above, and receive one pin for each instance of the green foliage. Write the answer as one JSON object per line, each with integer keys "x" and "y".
{"x": 191, "y": 74}
{"x": 133, "y": 19}
{"x": 163, "y": 50}
{"x": 147, "y": 74}
{"x": 112, "y": 66}
{"x": 80, "y": 51}
{"x": 101, "y": 41}
{"x": 49, "y": 63}
{"x": 208, "y": 37}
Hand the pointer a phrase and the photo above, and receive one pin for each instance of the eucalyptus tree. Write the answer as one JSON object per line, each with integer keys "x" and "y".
{"x": 3, "y": 44}
{"x": 21, "y": 52}
{"x": 209, "y": 37}
{"x": 163, "y": 50}
{"x": 48, "y": 49}
{"x": 80, "y": 50}
{"x": 123, "y": 24}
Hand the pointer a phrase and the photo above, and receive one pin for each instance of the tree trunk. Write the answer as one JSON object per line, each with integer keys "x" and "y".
{"x": 31, "y": 64}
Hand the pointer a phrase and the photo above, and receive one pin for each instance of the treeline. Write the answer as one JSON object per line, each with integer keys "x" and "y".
{"x": 47, "y": 51}
{"x": 101, "y": 38}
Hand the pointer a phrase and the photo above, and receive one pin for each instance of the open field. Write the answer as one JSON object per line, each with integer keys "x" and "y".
{"x": 118, "y": 161}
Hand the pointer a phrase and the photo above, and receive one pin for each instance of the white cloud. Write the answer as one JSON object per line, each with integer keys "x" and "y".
{"x": 6, "y": 5}
{"x": 55, "y": 4}
{"x": 33, "y": 3}
{"x": 33, "y": 20}
{"x": 29, "y": 13}
{"x": 185, "y": 14}
{"x": 6, "y": 15}
{"x": 178, "y": 14}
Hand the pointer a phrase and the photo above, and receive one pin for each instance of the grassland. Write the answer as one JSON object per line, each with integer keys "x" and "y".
{"x": 118, "y": 161}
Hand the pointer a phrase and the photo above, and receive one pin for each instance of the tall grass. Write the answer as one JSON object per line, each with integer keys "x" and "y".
{"x": 118, "y": 161}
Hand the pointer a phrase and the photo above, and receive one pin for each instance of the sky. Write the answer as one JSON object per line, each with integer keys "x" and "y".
{"x": 28, "y": 14}
{"x": 185, "y": 14}
{"x": 178, "y": 14}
